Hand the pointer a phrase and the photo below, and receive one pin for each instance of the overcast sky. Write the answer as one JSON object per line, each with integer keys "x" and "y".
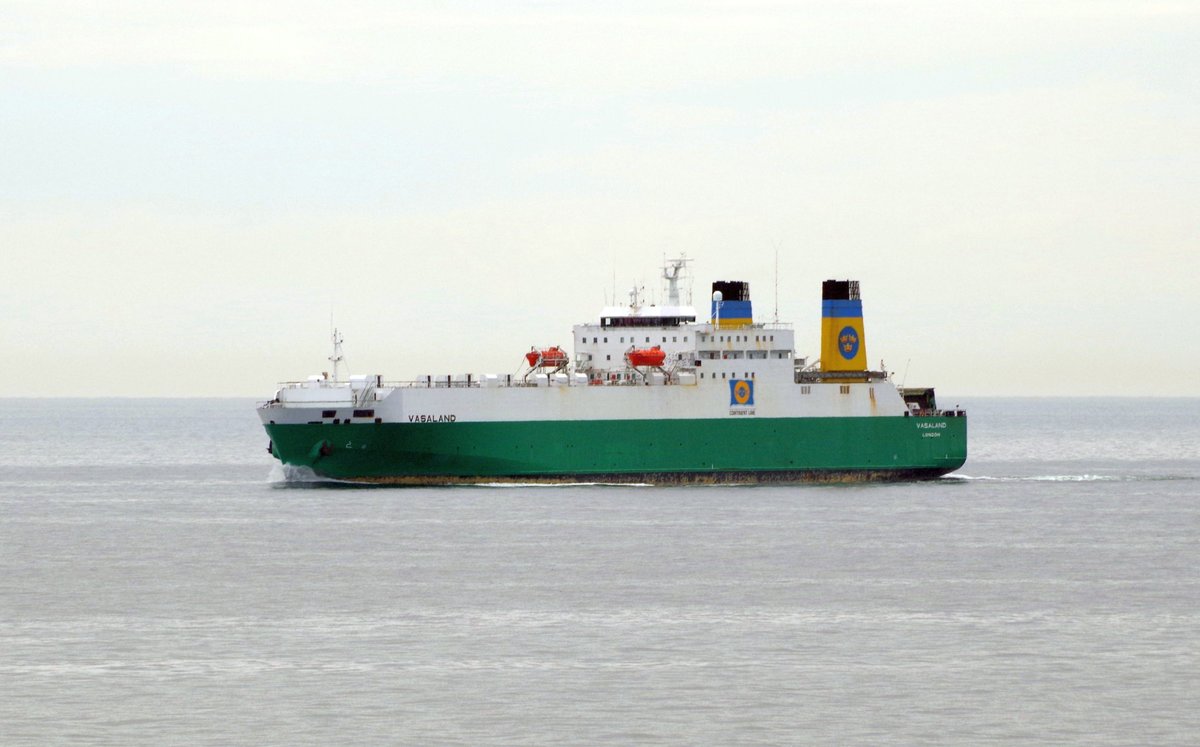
{"x": 189, "y": 189}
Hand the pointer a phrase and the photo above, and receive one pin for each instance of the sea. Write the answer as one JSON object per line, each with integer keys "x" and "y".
{"x": 162, "y": 582}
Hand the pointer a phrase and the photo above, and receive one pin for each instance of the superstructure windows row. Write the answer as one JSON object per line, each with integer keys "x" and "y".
{"x": 633, "y": 340}
{"x": 645, "y": 321}
{"x": 702, "y": 337}
{"x": 762, "y": 355}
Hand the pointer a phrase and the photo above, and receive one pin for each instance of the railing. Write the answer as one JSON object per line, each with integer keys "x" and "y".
{"x": 474, "y": 383}
{"x": 807, "y": 376}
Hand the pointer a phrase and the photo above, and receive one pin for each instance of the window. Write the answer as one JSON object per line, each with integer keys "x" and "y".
{"x": 806, "y": 389}
{"x": 328, "y": 413}
{"x": 673, "y": 339}
{"x": 845, "y": 388}
{"x": 722, "y": 374}
{"x": 647, "y": 339}
{"x": 685, "y": 338}
{"x": 608, "y": 357}
{"x": 364, "y": 413}
{"x": 622, "y": 339}
{"x": 605, "y": 339}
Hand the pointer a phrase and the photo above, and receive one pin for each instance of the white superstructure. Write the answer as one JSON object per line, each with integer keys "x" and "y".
{"x": 703, "y": 362}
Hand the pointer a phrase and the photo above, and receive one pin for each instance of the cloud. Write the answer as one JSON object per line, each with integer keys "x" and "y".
{"x": 565, "y": 47}
{"x": 206, "y": 181}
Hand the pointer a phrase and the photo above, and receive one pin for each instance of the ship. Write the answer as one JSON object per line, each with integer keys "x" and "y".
{"x": 652, "y": 393}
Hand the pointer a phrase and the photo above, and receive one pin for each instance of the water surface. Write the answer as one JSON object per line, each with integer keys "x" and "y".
{"x": 159, "y": 585}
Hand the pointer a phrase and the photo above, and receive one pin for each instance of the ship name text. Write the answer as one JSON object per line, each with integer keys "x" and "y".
{"x": 941, "y": 424}
{"x": 432, "y": 418}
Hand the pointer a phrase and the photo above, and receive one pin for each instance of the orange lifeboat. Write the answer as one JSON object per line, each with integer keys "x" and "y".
{"x": 646, "y": 356}
{"x": 552, "y": 357}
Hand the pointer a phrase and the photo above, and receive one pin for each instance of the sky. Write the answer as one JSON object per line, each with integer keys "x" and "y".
{"x": 191, "y": 191}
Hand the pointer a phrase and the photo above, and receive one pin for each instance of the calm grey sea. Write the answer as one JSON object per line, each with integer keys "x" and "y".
{"x": 159, "y": 585}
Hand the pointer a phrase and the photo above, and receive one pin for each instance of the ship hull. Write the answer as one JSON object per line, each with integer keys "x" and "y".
{"x": 686, "y": 451}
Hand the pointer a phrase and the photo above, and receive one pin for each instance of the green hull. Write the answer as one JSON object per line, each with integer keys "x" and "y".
{"x": 651, "y": 451}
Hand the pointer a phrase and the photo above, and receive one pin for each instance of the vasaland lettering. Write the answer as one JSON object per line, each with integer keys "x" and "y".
{"x": 941, "y": 424}
{"x": 432, "y": 418}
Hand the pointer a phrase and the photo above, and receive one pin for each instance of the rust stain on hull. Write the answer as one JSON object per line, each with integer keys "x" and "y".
{"x": 662, "y": 478}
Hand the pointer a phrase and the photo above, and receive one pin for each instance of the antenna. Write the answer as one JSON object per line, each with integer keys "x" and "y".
{"x": 777, "y": 282}
{"x": 614, "y": 284}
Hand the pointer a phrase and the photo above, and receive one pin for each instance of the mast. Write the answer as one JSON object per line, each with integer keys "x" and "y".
{"x": 673, "y": 271}
{"x": 337, "y": 357}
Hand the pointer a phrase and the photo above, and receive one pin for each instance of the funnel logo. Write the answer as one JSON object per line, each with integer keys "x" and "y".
{"x": 848, "y": 342}
{"x": 741, "y": 393}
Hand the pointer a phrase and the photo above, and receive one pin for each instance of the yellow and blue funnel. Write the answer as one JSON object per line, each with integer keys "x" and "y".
{"x": 843, "y": 346}
{"x": 733, "y": 310}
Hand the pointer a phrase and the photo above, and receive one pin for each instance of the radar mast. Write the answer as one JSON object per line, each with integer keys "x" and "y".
{"x": 675, "y": 270}
{"x": 337, "y": 356}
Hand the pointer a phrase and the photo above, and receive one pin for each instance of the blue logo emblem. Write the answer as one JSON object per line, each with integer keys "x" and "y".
{"x": 741, "y": 393}
{"x": 848, "y": 343}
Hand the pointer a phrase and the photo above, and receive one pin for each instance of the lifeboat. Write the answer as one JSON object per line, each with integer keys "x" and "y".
{"x": 552, "y": 357}
{"x": 646, "y": 356}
